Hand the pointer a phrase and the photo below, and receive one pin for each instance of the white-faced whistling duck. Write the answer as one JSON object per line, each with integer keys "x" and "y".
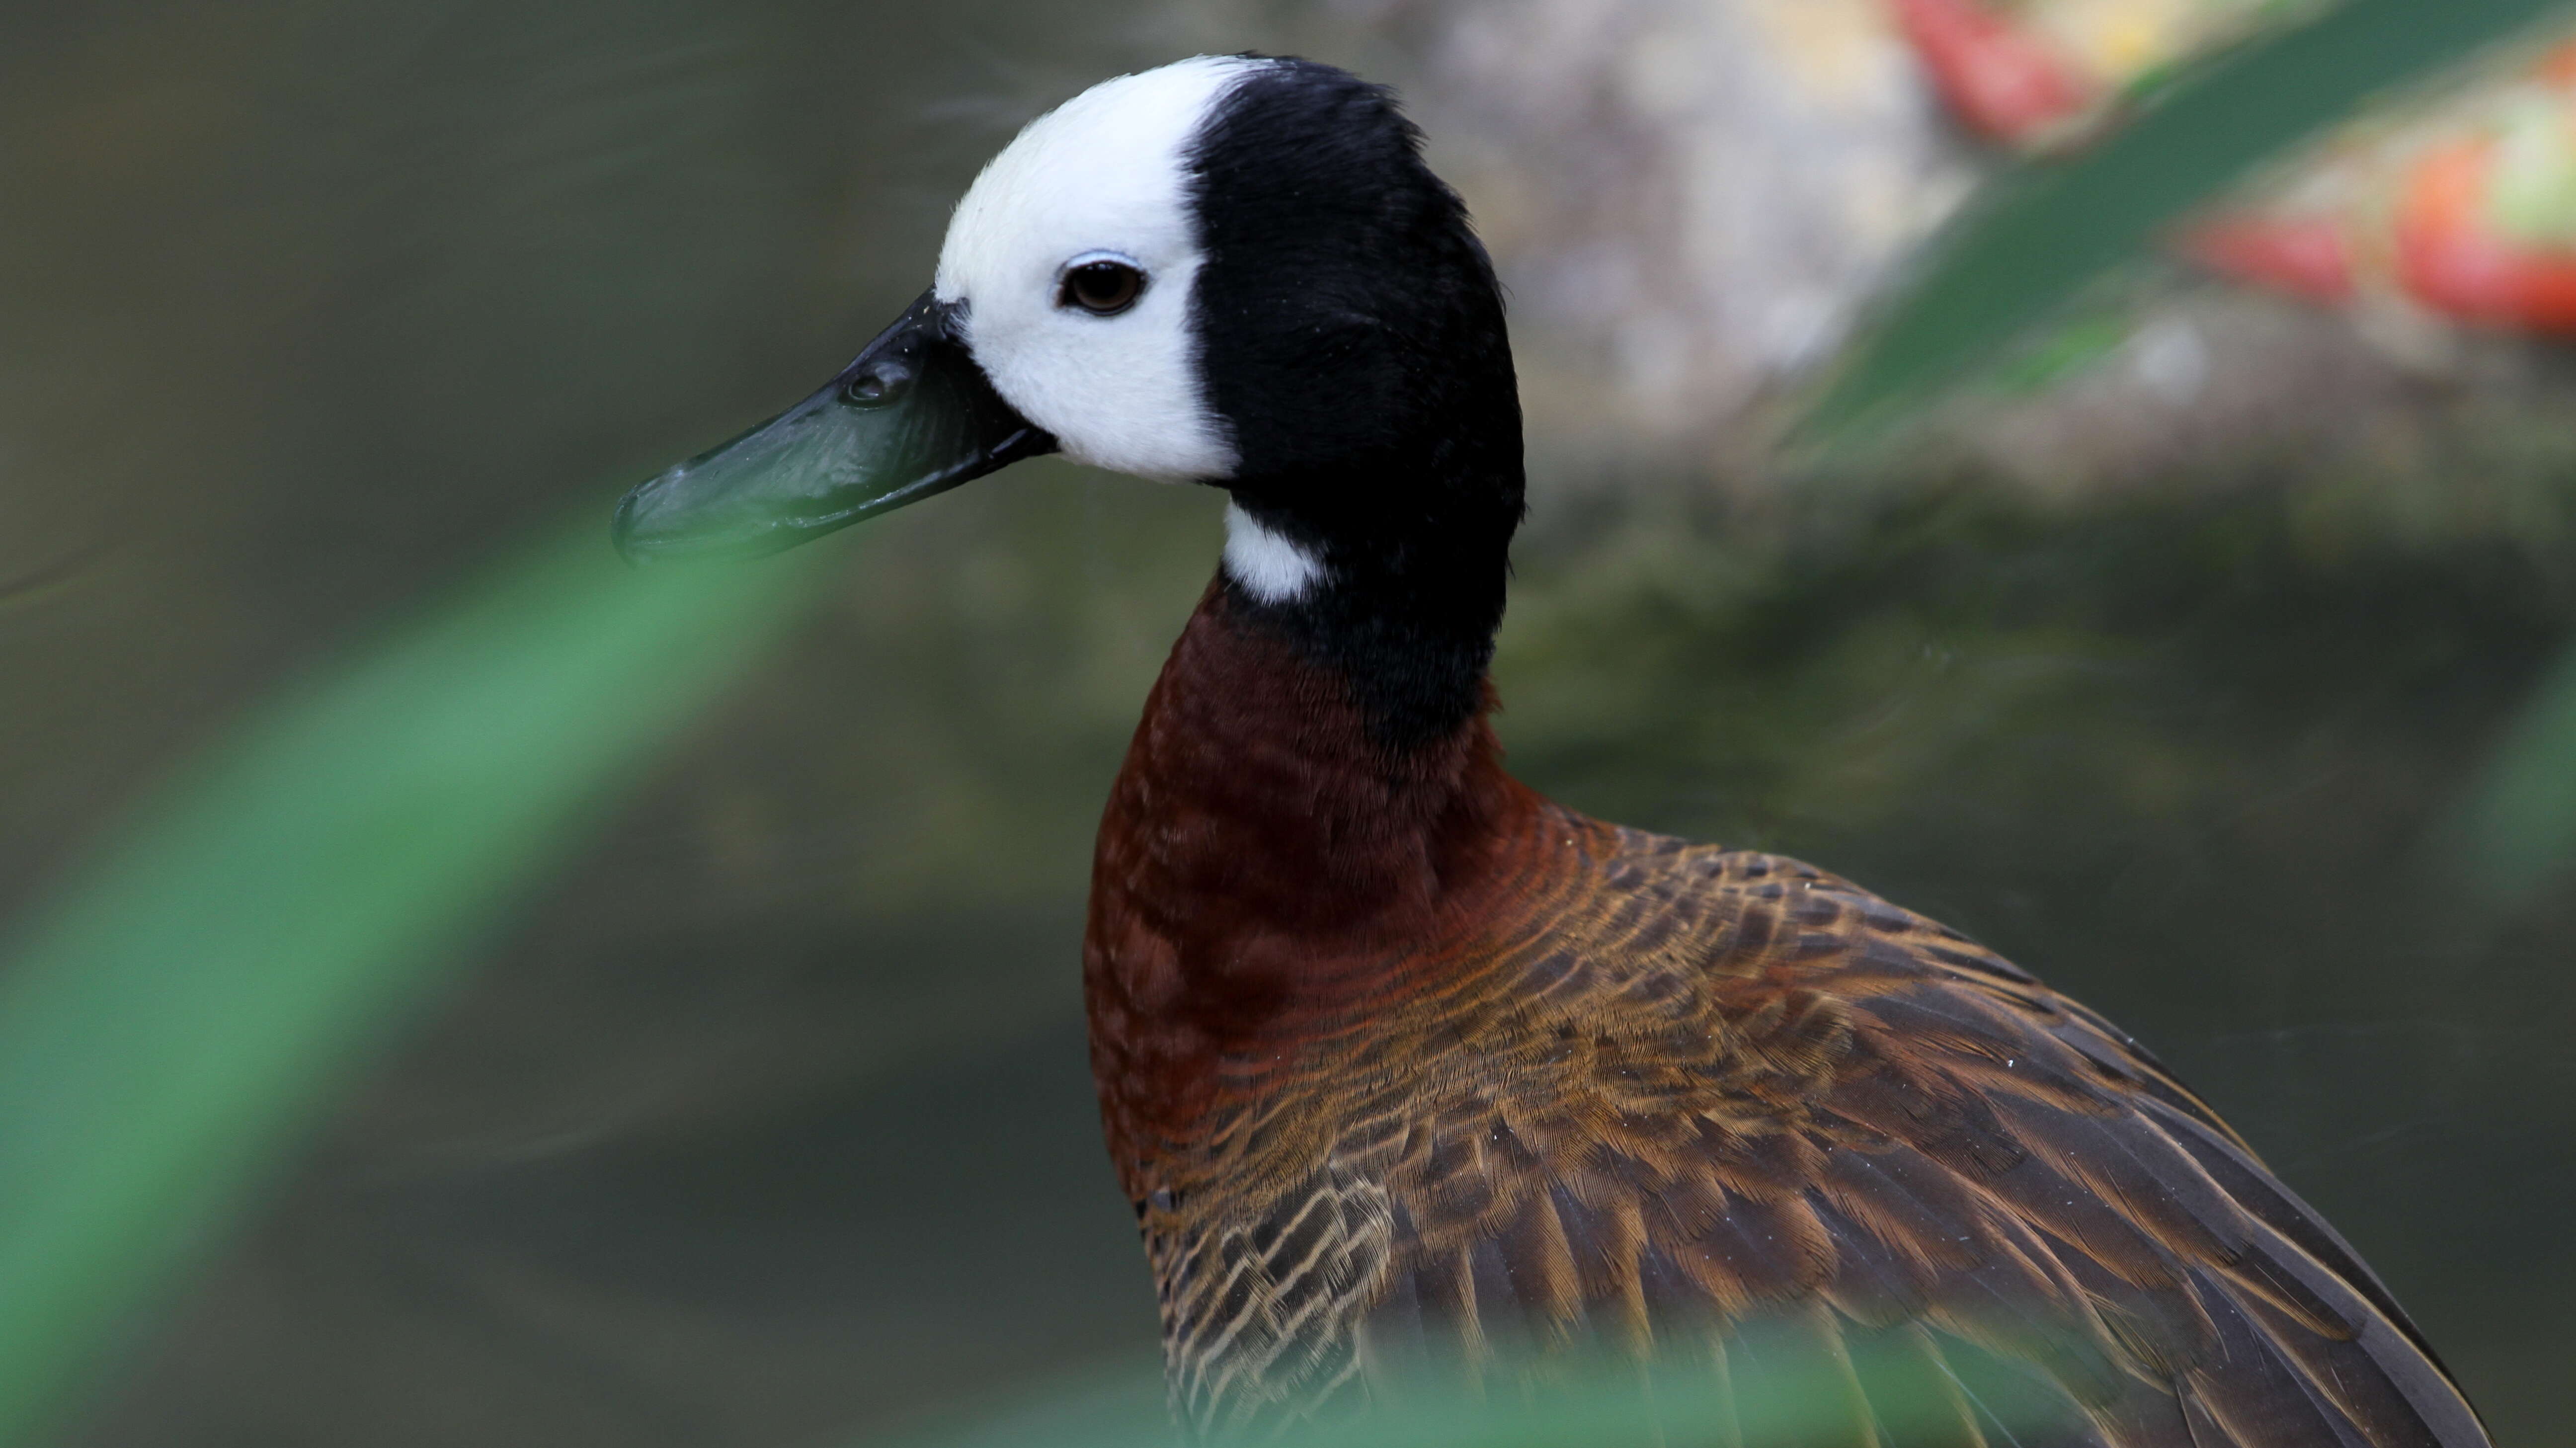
{"x": 1401, "y": 1062}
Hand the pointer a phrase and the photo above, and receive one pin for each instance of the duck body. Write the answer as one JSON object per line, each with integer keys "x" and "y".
{"x": 1413, "y": 1076}
{"x": 1409, "y": 1071}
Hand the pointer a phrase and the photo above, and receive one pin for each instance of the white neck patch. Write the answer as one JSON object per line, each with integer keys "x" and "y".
{"x": 1104, "y": 173}
{"x": 1266, "y": 565}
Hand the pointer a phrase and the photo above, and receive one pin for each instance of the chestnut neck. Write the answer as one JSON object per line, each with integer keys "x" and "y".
{"x": 1272, "y": 863}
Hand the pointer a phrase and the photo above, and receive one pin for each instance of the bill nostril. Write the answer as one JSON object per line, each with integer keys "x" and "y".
{"x": 878, "y": 384}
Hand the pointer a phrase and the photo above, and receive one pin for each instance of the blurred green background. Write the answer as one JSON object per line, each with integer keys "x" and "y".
{"x": 765, "y": 1120}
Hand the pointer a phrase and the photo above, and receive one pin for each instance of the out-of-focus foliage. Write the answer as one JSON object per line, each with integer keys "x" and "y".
{"x": 188, "y": 1006}
{"x": 2060, "y": 225}
{"x": 1778, "y": 1389}
{"x": 2519, "y": 826}
{"x": 2040, "y": 74}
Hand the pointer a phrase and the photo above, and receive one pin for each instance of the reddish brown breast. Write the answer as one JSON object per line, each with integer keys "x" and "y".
{"x": 1268, "y": 872}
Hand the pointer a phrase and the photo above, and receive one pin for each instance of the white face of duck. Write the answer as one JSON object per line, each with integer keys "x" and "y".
{"x": 1108, "y": 178}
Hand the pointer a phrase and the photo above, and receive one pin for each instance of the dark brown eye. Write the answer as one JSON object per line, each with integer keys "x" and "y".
{"x": 1102, "y": 288}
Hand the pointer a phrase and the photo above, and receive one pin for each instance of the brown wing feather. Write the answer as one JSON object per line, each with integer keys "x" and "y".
{"x": 1702, "y": 1099}
{"x": 1747, "y": 1094}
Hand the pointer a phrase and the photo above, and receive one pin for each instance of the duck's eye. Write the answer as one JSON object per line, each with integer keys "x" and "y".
{"x": 1102, "y": 288}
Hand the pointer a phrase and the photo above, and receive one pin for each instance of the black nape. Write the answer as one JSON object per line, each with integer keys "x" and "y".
{"x": 1351, "y": 335}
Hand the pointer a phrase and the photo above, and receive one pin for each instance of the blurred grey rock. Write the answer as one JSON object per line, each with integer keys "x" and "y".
{"x": 1695, "y": 197}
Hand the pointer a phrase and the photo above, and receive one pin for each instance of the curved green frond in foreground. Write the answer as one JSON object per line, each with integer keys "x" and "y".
{"x": 170, "y": 1026}
{"x": 1770, "y": 1388}
{"x": 2517, "y": 827}
{"x": 2061, "y": 224}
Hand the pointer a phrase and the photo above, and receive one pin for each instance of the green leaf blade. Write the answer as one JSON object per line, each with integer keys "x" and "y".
{"x": 170, "y": 1026}
{"x": 2056, "y": 227}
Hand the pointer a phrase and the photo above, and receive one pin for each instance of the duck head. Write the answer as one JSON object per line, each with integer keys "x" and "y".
{"x": 1234, "y": 271}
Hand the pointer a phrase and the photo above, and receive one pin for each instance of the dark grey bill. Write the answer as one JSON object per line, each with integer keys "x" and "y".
{"x": 913, "y": 416}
